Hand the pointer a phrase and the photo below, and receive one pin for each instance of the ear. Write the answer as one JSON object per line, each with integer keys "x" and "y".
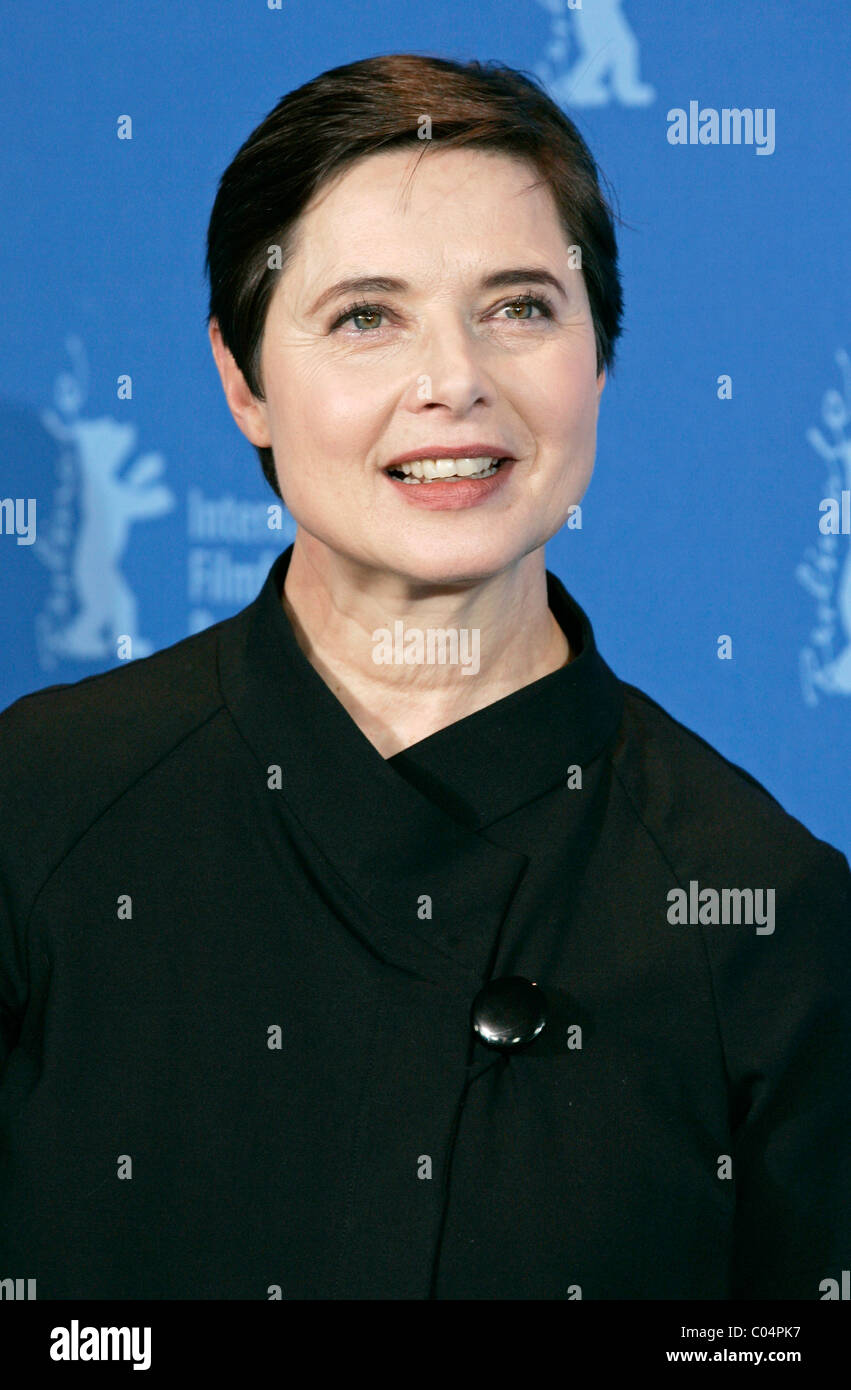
{"x": 247, "y": 411}
{"x": 601, "y": 381}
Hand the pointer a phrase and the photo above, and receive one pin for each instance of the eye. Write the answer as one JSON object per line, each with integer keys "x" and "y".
{"x": 358, "y": 311}
{"x": 528, "y": 301}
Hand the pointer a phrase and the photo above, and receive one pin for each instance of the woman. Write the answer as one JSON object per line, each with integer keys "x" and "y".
{"x": 378, "y": 942}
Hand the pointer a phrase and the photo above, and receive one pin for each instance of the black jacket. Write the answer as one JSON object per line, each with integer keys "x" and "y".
{"x": 239, "y": 953}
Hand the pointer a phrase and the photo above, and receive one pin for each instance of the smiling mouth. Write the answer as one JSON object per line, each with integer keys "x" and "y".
{"x": 446, "y": 470}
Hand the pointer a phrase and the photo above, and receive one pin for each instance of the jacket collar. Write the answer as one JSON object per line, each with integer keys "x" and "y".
{"x": 398, "y": 828}
{"x": 511, "y": 752}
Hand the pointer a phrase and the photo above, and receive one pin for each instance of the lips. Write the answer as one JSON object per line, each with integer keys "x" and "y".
{"x": 448, "y": 467}
{"x": 474, "y": 449}
{"x": 434, "y": 470}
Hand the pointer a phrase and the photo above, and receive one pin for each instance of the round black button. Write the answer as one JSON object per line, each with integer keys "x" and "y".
{"x": 509, "y": 1012}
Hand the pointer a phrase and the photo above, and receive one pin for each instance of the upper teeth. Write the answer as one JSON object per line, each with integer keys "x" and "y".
{"x": 445, "y": 468}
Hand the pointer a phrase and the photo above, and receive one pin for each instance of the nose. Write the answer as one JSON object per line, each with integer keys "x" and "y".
{"x": 452, "y": 372}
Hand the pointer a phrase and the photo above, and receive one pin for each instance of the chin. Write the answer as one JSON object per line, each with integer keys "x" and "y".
{"x": 455, "y": 562}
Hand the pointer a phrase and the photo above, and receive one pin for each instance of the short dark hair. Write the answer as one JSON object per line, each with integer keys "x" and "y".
{"x": 369, "y": 106}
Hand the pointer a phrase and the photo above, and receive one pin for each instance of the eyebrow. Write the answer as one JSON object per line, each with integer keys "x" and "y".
{"x": 385, "y": 284}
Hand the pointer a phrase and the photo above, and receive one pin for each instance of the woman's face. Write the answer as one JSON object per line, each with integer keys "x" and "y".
{"x": 445, "y": 360}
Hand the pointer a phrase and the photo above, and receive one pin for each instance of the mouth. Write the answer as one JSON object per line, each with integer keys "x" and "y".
{"x": 426, "y": 471}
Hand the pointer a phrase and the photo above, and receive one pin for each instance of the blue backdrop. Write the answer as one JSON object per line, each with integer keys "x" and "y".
{"x": 726, "y": 425}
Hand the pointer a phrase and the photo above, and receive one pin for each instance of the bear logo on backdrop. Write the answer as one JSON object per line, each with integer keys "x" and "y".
{"x": 90, "y": 607}
{"x": 592, "y": 56}
{"x": 825, "y": 571}
{"x": 90, "y": 614}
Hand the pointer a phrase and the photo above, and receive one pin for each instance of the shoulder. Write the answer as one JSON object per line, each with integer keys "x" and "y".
{"x": 139, "y": 702}
{"x": 706, "y": 814}
{"x": 69, "y": 751}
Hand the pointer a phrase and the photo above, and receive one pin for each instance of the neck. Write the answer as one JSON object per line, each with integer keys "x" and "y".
{"x": 357, "y": 625}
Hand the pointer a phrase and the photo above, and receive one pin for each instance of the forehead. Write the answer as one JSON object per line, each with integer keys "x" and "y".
{"x": 401, "y": 207}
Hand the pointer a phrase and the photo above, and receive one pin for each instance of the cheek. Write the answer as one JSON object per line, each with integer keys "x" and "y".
{"x": 558, "y": 401}
{"x": 333, "y": 408}
{"x": 556, "y": 389}
{"x": 577, "y": 393}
